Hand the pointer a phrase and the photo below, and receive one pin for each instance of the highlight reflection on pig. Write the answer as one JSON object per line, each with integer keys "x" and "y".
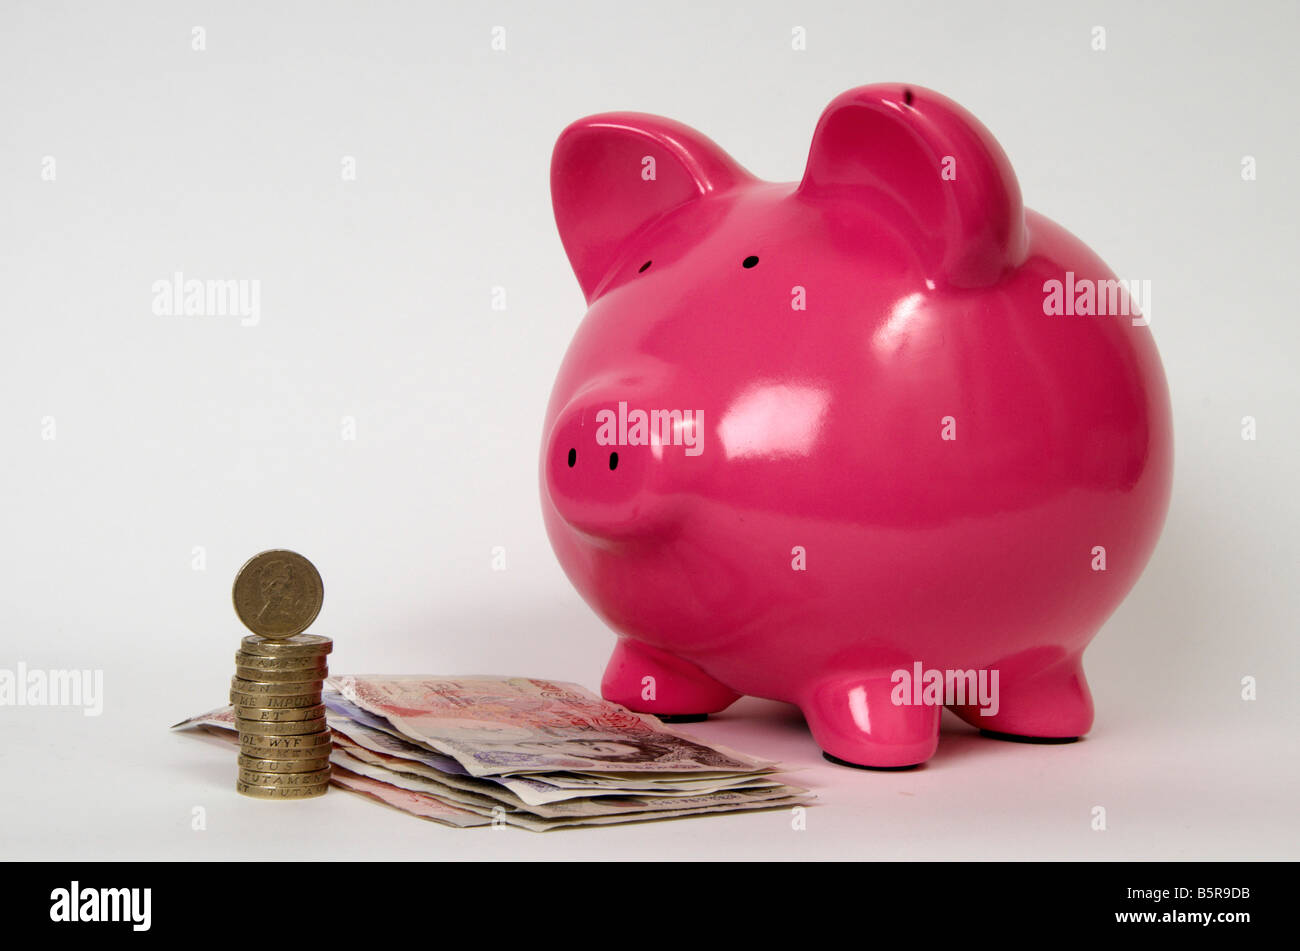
{"x": 827, "y": 441}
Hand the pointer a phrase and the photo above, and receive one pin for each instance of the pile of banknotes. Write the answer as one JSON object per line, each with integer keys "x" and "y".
{"x": 536, "y": 754}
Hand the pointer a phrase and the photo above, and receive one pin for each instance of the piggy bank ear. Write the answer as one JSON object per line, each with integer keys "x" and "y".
{"x": 613, "y": 174}
{"x": 926, "y": 163}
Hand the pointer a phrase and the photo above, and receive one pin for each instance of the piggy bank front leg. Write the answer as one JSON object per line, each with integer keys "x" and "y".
{"x": 649, "y": 680}
{"x": 856, "y": 723}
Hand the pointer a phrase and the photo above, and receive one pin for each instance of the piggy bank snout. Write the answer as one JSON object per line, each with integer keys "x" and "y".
{"x": 598, "y": 485}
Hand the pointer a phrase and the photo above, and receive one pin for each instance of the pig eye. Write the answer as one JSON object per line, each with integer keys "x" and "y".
{"x": 749, "y": 261}
{"x": 643, "y": 267}
{"x": 573, "y": 457}
{"x": 613, "y": 461}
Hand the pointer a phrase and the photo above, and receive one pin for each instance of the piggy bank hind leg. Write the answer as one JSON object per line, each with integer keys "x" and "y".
{"x": 649, "y": 680}
{"x": 856, "y": 723}
{"x": 1051, "y": 705}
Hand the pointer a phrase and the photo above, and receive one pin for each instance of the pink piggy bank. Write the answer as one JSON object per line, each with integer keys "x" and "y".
{"x": 873, "y": 443}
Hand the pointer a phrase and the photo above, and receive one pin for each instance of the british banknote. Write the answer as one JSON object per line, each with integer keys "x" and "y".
{"x": 535, "y": 754}
{"x": 496, "y": 726}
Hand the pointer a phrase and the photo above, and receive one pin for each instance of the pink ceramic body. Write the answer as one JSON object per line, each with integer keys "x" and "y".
{"x": 901, "y": 457}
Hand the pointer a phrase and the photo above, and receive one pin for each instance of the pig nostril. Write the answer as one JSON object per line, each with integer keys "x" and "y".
{"x": 749, "y": 261}
{"x": 573, "y": 457}
{"x": 643, "y": 267}
{"x": 613, "y": 461}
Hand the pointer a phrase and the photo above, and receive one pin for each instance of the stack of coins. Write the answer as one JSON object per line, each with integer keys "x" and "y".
{"x": 284, "y": 742}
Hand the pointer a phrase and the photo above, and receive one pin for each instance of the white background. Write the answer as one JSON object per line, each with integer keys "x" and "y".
{"x": 177, "y": 432}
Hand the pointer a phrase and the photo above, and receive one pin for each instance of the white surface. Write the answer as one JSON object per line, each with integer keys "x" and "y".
{"x": 177, "y": 432}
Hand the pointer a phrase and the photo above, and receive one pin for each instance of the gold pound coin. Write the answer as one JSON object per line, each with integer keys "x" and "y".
{"x": 280, "y": 727}
{"x": 263, "y": 715}
{"x": 260, "y": 765}
{"x": 300, "y": 646}
{"x": 302, "y": 676}
{"x": 260, "y": 663}
{"x": 299, "y": 746}
{"x": 296, "y": 702}
{"x": 258, "y": 791}
{"x": 278, "y": 593}
{"x": 258, "y": 688}
{"x": 314, "y": 778}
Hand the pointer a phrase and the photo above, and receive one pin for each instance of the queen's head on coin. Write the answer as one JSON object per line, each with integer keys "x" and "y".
{"x": 278, "y": 593}
{"x": 282, "y": 593}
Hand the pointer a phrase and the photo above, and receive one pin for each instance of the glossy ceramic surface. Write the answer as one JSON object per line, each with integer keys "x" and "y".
{"x": 885, "y": 452}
